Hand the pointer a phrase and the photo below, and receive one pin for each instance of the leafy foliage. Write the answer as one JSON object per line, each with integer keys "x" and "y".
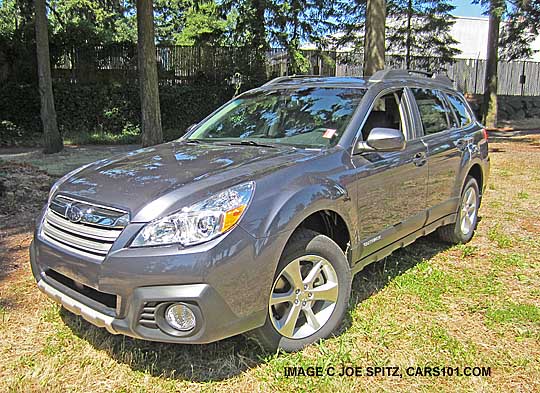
{"x": 203, "y": 25}
{"x": 103, "y": 109}
{"x": 520, "y": 30}
{"x": 82, "y": 31}
{"x": 292, "y": 22}
{"x": 289, "y": 24}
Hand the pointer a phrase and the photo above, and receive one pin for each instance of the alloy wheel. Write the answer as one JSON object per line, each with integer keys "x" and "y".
{"x": 468, "y": 211}
{"x": 303, "y": 297}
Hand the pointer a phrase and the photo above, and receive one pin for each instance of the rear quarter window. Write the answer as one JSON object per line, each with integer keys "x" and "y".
{"x": 460, "y": 109}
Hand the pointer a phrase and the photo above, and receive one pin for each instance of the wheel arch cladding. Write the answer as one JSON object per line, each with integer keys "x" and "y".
{"x": 476, "y": 172}
{"x": 328, "y": 223}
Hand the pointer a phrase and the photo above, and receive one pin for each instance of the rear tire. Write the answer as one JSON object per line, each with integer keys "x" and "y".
{"x": 463, "y": 229}
{"x": 310, "y": 293}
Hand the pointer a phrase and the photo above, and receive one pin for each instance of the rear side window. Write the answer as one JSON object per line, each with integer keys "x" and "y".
{"x": 460, "y": 109}
{"x": 433, "y": 111}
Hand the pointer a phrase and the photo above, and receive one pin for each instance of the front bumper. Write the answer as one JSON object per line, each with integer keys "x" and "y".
{"x": 200, "y": 294}
{"x": 93, "y": 316}
{"x": 226, "y": 283}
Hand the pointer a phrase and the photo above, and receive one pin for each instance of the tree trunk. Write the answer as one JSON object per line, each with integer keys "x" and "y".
{"x": 374, "y": 42}
{"x": 148, "y": 77}
{"x": 490, "y": 86}
{"x": 259, "y": 40}
{"x": 52, "y": 141}
{"x": 408, "y": 39}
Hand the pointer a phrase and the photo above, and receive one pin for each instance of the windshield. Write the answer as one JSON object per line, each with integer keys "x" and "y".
{"x": 306, "y": 117}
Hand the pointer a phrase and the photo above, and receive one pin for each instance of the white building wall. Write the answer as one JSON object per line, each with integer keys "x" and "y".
{"x": 472, "y": 35}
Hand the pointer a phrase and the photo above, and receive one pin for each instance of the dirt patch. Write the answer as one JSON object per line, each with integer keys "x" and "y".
{"x": 71, "y": 157}
{"x": 525, "y": 124}
{"x": 23, "y": 189}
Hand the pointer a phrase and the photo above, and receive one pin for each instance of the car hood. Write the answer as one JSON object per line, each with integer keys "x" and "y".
{"x": 174, "y": 174}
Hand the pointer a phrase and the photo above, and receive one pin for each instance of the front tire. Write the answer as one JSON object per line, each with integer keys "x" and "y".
{"x": 310, "y": 293}
{"x": 463, "y": 229}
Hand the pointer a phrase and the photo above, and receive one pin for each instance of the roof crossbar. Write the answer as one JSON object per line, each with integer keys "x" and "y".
{"x": 389, "y": 74}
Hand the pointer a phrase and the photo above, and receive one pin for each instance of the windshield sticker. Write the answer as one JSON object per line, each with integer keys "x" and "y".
{"x": 329, "y": 133}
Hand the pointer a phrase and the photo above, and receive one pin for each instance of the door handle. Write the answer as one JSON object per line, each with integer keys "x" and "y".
{"x": 419, "y": 159}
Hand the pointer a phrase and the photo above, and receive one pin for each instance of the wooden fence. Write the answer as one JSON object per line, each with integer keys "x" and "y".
{"x": 191, "y": 64}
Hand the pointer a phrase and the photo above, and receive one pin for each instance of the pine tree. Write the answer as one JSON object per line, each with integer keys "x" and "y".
{"x": 414, "y": 28}
{"x": 520, "y": 30}
{"x": 249, "y": 33}
{"x": 293, "y": 22}
{"x": 421, "y": 28}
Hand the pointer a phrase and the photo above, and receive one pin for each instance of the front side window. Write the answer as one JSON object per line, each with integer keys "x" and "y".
{"x": 433, "y": 111}
{"x": 385, "y": 113}
{"x": 305, "y": 117}
{"x": 460, "y": 109}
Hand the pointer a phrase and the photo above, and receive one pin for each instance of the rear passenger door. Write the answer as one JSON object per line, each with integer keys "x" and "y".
{"x": 442, "y": 136}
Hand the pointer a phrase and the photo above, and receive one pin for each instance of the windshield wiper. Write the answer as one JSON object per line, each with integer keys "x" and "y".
{"x": 251, "y": 143}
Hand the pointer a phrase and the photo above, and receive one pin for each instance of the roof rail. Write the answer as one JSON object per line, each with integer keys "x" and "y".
{"x": 388, "y": 74}
{"x": 285, "y": 78}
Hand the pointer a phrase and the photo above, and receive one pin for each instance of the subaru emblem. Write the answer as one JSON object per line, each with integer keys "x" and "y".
{"x": 74, "y": 213}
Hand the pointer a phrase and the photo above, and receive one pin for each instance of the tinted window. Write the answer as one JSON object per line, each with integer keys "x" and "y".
{"x": 385, "y": 113}
{"x": 433, "y": 112}
{"x": 306, "y": 117}
{"x": 460, "y": 110}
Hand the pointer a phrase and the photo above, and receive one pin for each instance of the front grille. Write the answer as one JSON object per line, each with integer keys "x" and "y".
{"x": 83, "y": 226}
{"x": 106, "y": 299}
{"x": 147, "y": 317}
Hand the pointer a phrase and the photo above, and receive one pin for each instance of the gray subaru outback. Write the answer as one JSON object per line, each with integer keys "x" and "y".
{"x": 257, "y": 219}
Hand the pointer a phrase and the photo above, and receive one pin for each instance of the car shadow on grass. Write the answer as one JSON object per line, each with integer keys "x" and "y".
{"x": 198, "y": 363}
{"x": 376, "y": 276}
{"x": 230, "y": 357}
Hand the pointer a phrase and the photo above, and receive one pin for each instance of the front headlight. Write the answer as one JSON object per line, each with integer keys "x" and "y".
{"x": 200, "y": 222}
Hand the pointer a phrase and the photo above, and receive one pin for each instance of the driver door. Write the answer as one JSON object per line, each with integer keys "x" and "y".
{"x": 392, "y": 186}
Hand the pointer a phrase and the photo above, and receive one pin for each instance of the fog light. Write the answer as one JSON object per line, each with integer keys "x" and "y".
{"x": 180, "y": 317}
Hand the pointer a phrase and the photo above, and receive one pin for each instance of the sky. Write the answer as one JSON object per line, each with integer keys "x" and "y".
{"x": 465, "y": 8}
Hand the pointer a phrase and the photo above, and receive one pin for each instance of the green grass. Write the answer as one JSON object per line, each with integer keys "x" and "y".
{"x": 467, "y": 250}
{"x": 131, "y": 136}
{"x": 503, "y": 261}
{"x": 523, "y": 195}
{"x": 496, "y": 234}
{"x": 104, "y": 138}
{"x": 427, "y": 283}
{"x": 515, "y": 313}
{"x": 504, "y": 173}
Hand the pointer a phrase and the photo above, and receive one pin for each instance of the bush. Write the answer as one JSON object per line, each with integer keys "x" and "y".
{"x": 103, "y": 113}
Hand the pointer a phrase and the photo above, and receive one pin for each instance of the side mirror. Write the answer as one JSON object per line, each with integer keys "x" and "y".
{"x": 382, "y": 139}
